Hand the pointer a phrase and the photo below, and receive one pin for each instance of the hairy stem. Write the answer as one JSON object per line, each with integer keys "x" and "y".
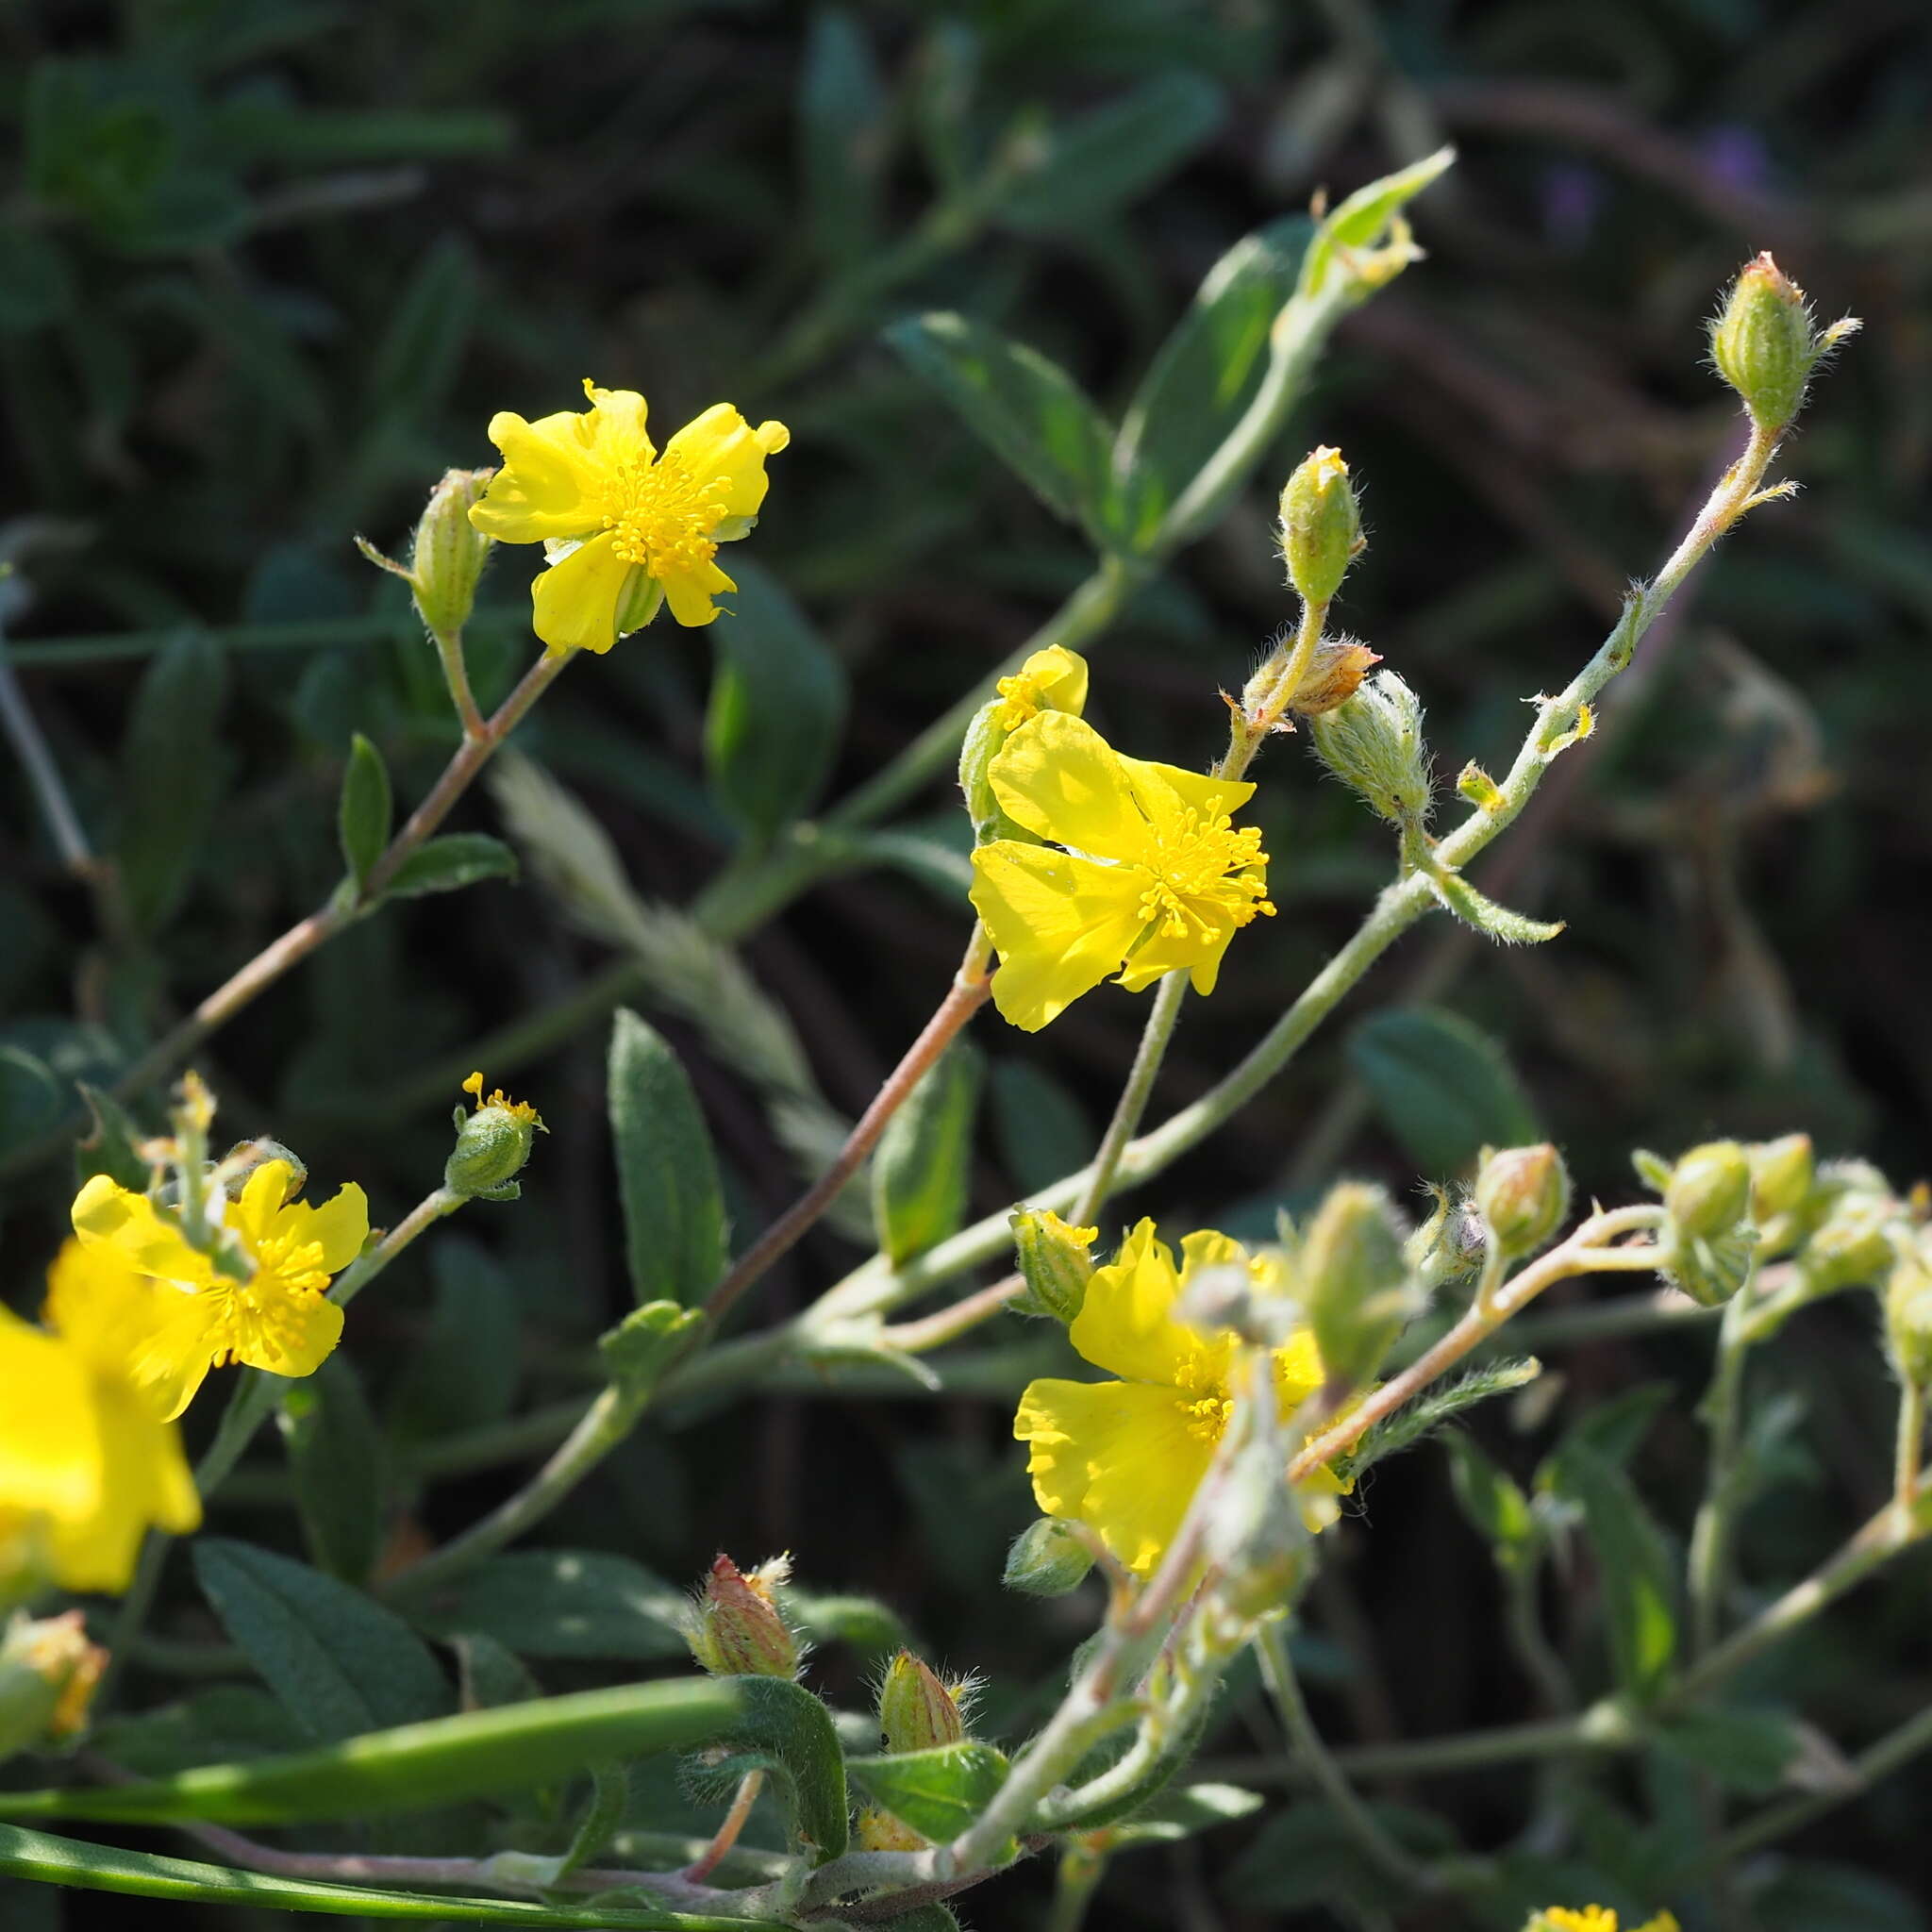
{"x": 1711, "y": 1535}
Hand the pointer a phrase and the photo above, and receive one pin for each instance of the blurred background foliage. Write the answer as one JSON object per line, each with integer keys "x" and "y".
{"x": 267, "y": 267}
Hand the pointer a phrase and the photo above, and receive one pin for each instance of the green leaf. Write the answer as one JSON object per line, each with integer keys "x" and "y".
{"x": 1306, "y": 1857}
{"x": 777, "y": 708}
{"x": 1177, "y": 1814}
{"x": 1101, "y": 161}
{"x": 1615, "y": 1427}
{"x": 1636, "y": 1578}
{"x": 1027, "y": 409}
{"x": 1458, "y": 897}
{"x": 1493, "y": 1500}
{"x": 1040, "y": 1126}
{"x": 781, "y": 1727}
{"x": 923, "y": 1164}
{"x": 367, "y": 812}
{"x": 642, "y": 1346}
{"x": 1208, "y": 371}
{"x": 871, "y": 1627}
{"x": 667, "y": 1175}
{"x": 32, "y": 1096}
{"x": 844, "y": 136}
{"x": 1751, "y": 1751}
{"x": 1810, "y": 1894}
{"x": 65, "y": 1861}
{"x": 113, "y": 1145}
{"x": 449, "y": 863}
{"x": 418, "y": 1767}
{"x": 1441, "y": 1087}
{"x": 171, "y": 776}
{"x": 335, "y": 1456}
{"x": 464, "y": 1373}
{"x": 1420, "y": 1418}
{"x": 341, "y": 1664}
{"x": 422, "y": 346}
{"x": 490, "y": 1673}
{"x": 221, "y": 1721}
{"x": 560, "y": 1603}
{"x": 937, "y": 1792}
{"x": 1364, "y": 219}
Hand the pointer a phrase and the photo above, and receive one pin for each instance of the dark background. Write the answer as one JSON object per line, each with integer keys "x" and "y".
{"x": 266, "y": 269}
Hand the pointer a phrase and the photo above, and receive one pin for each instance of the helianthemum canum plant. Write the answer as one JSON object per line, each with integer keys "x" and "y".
{"x": 1211, "y": 1403}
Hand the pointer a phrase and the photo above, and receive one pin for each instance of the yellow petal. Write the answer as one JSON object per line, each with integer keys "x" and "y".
{"x": 612, "y": 429}
{"x": 306, "y": 1328}
{"x": 1165, "y": 792}
{"x": 1126, "y": 1324}
{"x": 574, "y": 602}
{"x": 260, "y": 1206}
{"x": 341, "y": 1226}
{"x": 690, "y": 592}
{"x": 146, "y": 1483}
{"x": 1198, "y": 946}
{"x": 110, "y": 1218}
{"x": 1060, "y": 675}
{"x": 550, "y": 485}
{"x": 1059, "y": 924}
{"x": 1121, "y": 1457}
{"x": 49, "y": 1450}
{"x": 721, "y": 446}
{"x": 1298, "y": 1370}
{"x": 1061, "y": 780}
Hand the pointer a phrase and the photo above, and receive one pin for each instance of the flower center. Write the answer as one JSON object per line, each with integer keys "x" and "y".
{"x": 1021, "y": 695}
{"x": 1207, "y": 1416}
{"x": 1204, "y": 861}
{"x": 662, "y": 516}
{"x": 262, "y": 1317}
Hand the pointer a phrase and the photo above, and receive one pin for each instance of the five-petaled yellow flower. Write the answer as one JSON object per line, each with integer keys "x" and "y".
{"x": 1592, "y": 1919}
{"x": 1124, "y": 1458}
{"x": 87, "y": 1464}
{"x": 1053, "y": 679}
{"x": 625, "y": 526}
{"x": 1152, "y": 879}
{"x": 268, "y": 1310}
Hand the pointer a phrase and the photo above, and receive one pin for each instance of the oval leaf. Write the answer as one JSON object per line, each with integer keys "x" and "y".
{"x": 1441, "y": 1087}
{"x": 560, "y": 1602}
{"x": 449, "y": 863}
{"x": 925, "y": 1157}
{"x": 171, "y": 775}
{"x": 937, "y": 1792}
{"x": 367, "y": 812}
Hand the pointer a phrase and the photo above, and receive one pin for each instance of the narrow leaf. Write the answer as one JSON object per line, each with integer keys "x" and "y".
{"x": 1493, "y": 921}
{"x": 465, "y": 1372}
{"x": 367, "y": 812}
{"x": 924, "y": 1164}
{"x": 843, "y": 135}
{"x": 172, "y": 767}
{"x": 339, "y": 1662}
{"x": 1364, "y": 219}
{"x": 560, "y": 1602}
{"x": 1416, "y": 1420}
{"x": 1491, "y": 1499}
{"x": 667, "y": 1175}
{"x": 449, "y": 863}
{"x": 937, "y": 1792}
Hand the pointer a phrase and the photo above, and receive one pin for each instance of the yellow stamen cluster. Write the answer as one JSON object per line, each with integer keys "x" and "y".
{"x": 517, "y": 1110}
{"x": 1211, "y": 862}
{"x": 662, "y": 516}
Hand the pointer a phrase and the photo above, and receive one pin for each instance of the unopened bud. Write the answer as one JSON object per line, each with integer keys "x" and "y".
{"x": 1372, "y": 742}
{"x": 916, "y": 1710}
{"x": 1450, "y": 1244}
{"x": 1763, "y": 344}
{"x": 1053, "y": 679}
{"x": 1353, "y": 1283}
{"x": 1856, "y": 1243}
{"x": 735, "y": 1627}
{"x": 1523, "y": 1195}
{"x": 492, "y": 1143}
{"x": 1054, "y": 1262}
{"x": 1782, "y": 1173}
{"x": 447, "y": 559}
{"x": 48, "y": 1671}
{"x": 1334, "y": 675}
{"x": 1710, "y": 1269}
{"x": 246, "y": 1156}
{"x": 1048, "y": 1558}
{"x": 1909, "y": 1314}
{"x": 1709, "y": 1191}
{"x": 1320, "y": 526}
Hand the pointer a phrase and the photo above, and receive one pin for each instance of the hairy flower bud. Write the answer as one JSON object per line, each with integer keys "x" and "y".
{"x": 1763, "y": 344}
{"x": 1710, "y": 1269}
{"x": 916, "y": 1710}
{"x": 734, "y": 1625}
{"x": 48, "y": 1671}
{"x": 245, "y": 1155}
{"x": 1782, "y": 1173}
{"x": 1858, "y": 1238}
{"x": 1909, "y": 1314}
{"x": 1048, "y": 1558}
{"x": 1353, "y": 1283}
{"x": 1054, "y": 1262}
{"x": 1450, "y": 1244}
{"x": 446, "y": 559}
{"x": 1372, "y": 742}
{"x": 1522, "y": 1194}
{"x": 1710, "y": 1190}
{"x": 492, "y": 1143}
{"x": 1334, "y": 675}
{"x": 1320, "y": 526}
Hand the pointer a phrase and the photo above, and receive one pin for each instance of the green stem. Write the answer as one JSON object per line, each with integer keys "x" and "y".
{"x": 1134, "y": 1097}
{"x": 1305, "y": 1747}
{"x": 1911, "y": 1448}
{"x": 1710, "y": 1536}
{"x": 456, "y": 673}
{"x": 1546, "y": 1669}
{"x": 1080, "y": 1873}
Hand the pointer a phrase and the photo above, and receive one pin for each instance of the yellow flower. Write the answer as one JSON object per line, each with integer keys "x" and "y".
{"x": 1153, "y": 878}
{"x": 86, "y": 1462}
{"x": 1053, "y": 679}
{"x": 199, "y": 1315}
{"x": 1124, "y": 1458}
{"x": 517, "y": 1110}
{"x": 1592, "y": 1919}
{"x": 625, "y": 527}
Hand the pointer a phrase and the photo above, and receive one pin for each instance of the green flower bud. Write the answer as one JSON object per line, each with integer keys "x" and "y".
{"x": 1353, "y": 1282}
{"x": 446, "y": 559}
{"x": 48, "y": 1671}
{"x": 245, "y": 1155}
{"x": 734, "y": 1625}
{"x": 1320, "y": 526}
{"x": 1449, "y": 1245}
{"x": 1782, "y": 1173}
{"x": 1908, "y": 1315}
{"x": 1372, "y": 742}
{"x": 1763, "y": 344}
{"x": 1856, "y": 1243}
{"x": 1709, "y": 1191}
{"x": 1523, "y": 1195}
{"x": 1711, "y": 1269}
{"x": 1048, "y": 1558}
{"x": 916, "y": 1710}
{"x": 1054, "y": 1262}
{"x": 493, "y": 1144}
